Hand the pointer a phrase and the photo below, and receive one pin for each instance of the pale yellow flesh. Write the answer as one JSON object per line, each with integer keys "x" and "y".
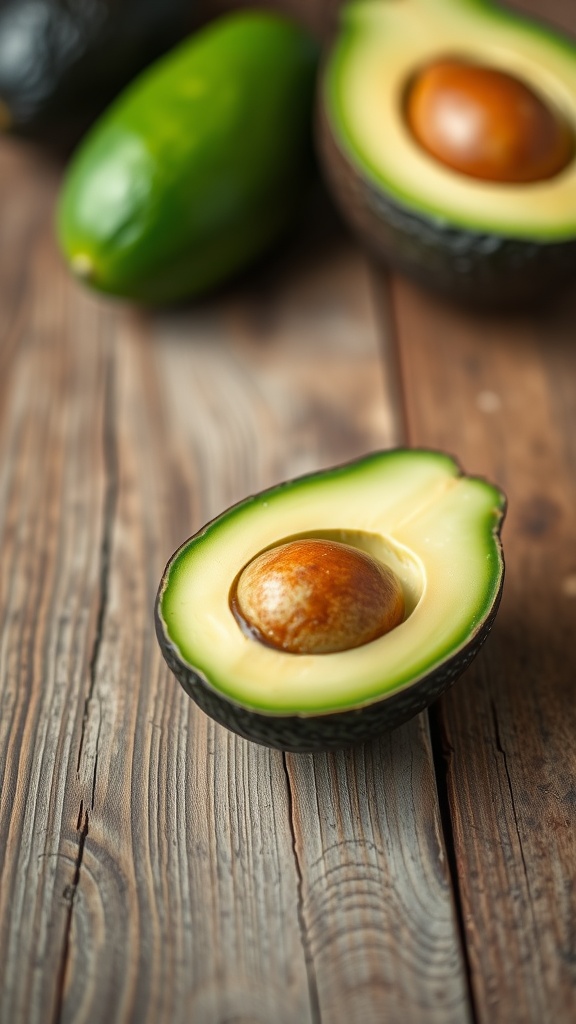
{"x": 434, "y": 528}
{"x": 394, "y": 39}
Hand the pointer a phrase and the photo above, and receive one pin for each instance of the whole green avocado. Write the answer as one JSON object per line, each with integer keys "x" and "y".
{"x": 197, "y": 167}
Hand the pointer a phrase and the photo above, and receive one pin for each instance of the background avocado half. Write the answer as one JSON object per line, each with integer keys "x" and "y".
{"x": 198, "y": 166}
{"x": 484, "y": 242}
{"x": 413, "y": 510}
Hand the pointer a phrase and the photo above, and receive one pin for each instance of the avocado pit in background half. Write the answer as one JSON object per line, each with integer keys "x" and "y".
{"x": 487, "y": 123}
{"x": 411, "y": 546}
{"x": 447, "y": 132}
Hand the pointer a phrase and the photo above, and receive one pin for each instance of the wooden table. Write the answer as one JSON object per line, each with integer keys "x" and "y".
{"x": 156, "y": 868}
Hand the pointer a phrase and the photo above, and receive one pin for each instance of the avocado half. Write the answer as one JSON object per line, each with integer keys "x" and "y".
{"x": 486, "y": 243}
{"x": 413, "y": 510}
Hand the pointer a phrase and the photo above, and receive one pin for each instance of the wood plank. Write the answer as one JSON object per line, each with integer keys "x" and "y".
{"x": 156, "y": 868}
{"x": 376, "y": 892}
{"x": 558, "y": 13}
{"x": 129, "y": 857}
{"x": 50, "y": 528}
{"x": 499, "y": 392}
{"x": 500, "y": 395}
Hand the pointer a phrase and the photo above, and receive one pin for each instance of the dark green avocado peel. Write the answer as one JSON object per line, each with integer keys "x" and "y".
{"x": 492, "y": 243}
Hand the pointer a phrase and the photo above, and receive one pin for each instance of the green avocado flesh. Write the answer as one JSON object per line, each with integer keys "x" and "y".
{"x": 197, "y": 167}
{"x": 414, "y": 511}
{"x": 381, "y": 45}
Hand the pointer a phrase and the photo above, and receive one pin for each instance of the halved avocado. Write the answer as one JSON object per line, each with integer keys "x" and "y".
{"x": 412, "y": 510}
{"x": 489, "y": 242}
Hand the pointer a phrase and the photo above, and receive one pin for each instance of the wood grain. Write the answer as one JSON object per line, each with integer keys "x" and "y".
{"x": 155, "y": 867}
{"x": 376, "y": 893}
{"x": 51, "y": 525}
{"x": 500, "y": 395}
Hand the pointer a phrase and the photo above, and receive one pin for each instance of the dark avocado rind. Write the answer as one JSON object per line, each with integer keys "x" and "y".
{"x": 61, "y": 63}
{"x": 489, "y": 251}
{"x": 347, "y": 721}
{"x": 475, "y": 268}
{"x": 198, "y": 166}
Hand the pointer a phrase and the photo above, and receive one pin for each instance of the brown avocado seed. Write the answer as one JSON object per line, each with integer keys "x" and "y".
{"x": 486, "y": 123}
{"x": 317, "y": 596}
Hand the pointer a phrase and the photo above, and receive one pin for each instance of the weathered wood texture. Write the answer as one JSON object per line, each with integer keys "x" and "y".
{"x": 501, "y": 395}
{"x": 156, "y": 868}
{"x": 153, "y": 867}
{"x": 377, "y": 905}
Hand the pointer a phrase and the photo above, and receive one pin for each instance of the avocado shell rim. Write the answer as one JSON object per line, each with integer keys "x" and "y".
{"x": 481, "y": 270}
{"x": 334, "y": 730}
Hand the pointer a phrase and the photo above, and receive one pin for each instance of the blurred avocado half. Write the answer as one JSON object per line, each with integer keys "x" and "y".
{"x": 447, "y": 133}
{"x": 198, "y": 166}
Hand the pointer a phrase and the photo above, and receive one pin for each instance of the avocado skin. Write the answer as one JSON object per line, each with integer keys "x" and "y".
{"x": 198, "y": 166}
{"x": 73, "y": 58}
{"x": 301, "y": 734}
{"x": 480, "y": 270}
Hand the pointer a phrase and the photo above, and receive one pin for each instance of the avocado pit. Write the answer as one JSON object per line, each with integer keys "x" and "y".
{"x": 486, "y": 123}
{"x": 314, "y": 596}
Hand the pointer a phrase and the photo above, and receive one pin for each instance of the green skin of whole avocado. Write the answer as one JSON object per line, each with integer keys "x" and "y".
{"x": 197, "y": 167}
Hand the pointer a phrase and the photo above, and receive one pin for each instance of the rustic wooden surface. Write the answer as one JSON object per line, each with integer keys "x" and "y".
{"x": 508, "y": 735}
{"x": 155, "y": 868}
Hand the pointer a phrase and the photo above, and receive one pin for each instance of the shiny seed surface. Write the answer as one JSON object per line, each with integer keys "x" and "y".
{"x": 317, "y": 597}
{"x": 486, "y": 123}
